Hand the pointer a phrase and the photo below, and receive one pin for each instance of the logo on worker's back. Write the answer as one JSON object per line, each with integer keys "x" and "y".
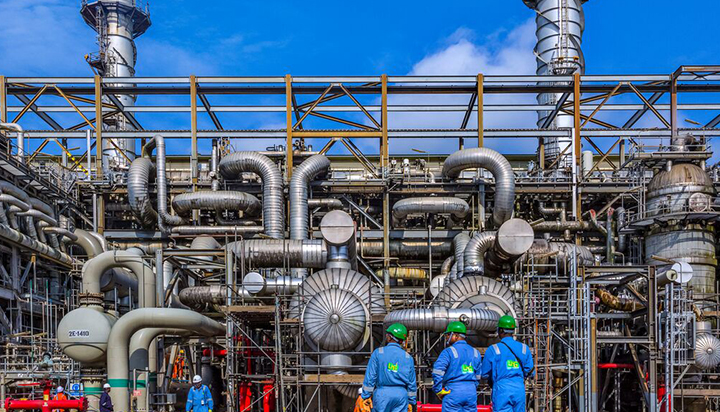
{"x": 393, "y": 367}
{"x": 467, "y": 369}
{"x": 511, "y": 364}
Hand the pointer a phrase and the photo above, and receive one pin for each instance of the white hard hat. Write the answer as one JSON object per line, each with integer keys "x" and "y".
{"x": 106, "y": 386}
{"x": 60, "y": 389}
{"x": 197, "y": 379}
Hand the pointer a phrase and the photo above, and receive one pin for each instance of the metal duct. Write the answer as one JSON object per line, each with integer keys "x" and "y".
{"x": 404, "y": 273}
{"x": 269, "y": 253}
{"x": 205, "y": 243}
{"x": 542, "y": 254}
{"x": 203, "y": 298}
{"x": 42, "y": 206}
{"x": 118, "y": 349}
{"x": 482, "y": 157}
{"x": 559, "y": 31}
{"x": 39, "y": 215}
{"x": 330, "y": 203}
{"x": 437, "y": 318}
{"x": 14, "y": 201}
{"x": 447, "y": 266}
{"x": 61, "y": 232}
{"x": 560, "y": 226}
{"x": 503, "y": 247}
{"x": 233, "y": 165}
{"x": 335, "y": 306}
{"x": 185, "y": 203}
{"x": 88, "y": 243}
{"x": 408, "y": 249}
{"x": 459, "y": 243}
{"x": 141, "y": 169}
{"x": 255, "y": 284}
{"x": 456, "y": 207}
{"x": 338, "y": 231}
{"x": 618, "y": 303}
{"x": 94, "y": 268}
{"x": 11, "y": 189}
{"x": 161, "y": 181}
{"x": 216, "y": 230}
{"x": 20, "y": 139}
{"x": 14, "y": 236}
{"x": 299, "y": 187}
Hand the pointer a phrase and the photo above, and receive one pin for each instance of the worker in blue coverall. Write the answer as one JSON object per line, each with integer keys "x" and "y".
{"x": 456, "y": 373}
{"x": 506, "y": 366}
{"x": 390, "y": 383}
{"x": 199, "y": 398}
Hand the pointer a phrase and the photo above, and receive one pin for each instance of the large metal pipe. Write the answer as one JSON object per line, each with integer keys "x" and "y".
{"x": 142, "y": 358}
{"x": 161, "y": 181}
{"x": 456, "y": 207}
{"x": 437, "y": 318}
{"x": 94, "y": 268}
{"x": 14, "y": 236}
{"x": 330, "y": 203}
{"x": 20, "y": 139}
{"x": 503, "y": 247}
{"x": 268, "y": 253}
{"x": 141, "y": 170}
{"x": 234, "y": 164}
{"x": 482, "y": 157}
{"x": 203, "y": 298}
{"x": 88, "y": 243}
{"x": 408, "y": 249}
{"x": 220, "y": 200}
{"x": 299, "y": 188}
{"x": 118, "y": 351}
{"x": 216, "y": 230}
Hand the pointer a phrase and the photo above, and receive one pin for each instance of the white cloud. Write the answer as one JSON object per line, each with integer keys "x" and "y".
{"x": 503, "y": 52}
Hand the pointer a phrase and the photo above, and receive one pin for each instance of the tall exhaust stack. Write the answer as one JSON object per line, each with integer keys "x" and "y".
{"x": 117, "y": 24}
{"x": 559, "y": 30}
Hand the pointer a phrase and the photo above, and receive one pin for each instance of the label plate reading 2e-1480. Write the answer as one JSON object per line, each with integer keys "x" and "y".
{"x": 78, "y": 333}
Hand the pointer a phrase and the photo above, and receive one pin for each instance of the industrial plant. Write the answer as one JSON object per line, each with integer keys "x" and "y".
{"x": 270, "y": 261}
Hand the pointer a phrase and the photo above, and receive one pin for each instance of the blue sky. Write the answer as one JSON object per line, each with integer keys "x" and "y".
{"x": 49, "y": 38}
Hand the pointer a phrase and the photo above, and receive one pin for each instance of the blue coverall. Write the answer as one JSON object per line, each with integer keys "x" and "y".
{"x": 390, "y": 379}
{"x": 457, "y": 369}
{"x": 507, "y": 373}
{"x": 199, "y": 400}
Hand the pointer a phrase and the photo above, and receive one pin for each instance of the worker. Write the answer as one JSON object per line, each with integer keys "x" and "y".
{"x": 199, "y": 398}
{"x": 456, "y": 373}
{"x": 390, "y": 384}
{"x": 59, "y": 396}
{"x": 506, "y": 366}
{"x": 106, "y": 404}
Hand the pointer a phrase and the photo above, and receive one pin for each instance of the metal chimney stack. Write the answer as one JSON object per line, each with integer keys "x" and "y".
{"x": 560, "y": 25}
{"x": 117, "y": 23}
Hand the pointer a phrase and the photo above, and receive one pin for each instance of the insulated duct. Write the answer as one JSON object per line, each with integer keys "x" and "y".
{"x": 94, "y": 268}
{"x": 407, "y": 249}
{"x": 203, "y": 298}
{"x": 459, "y": 243}
{"x": 20, "y": 139}
{"x": 220, "y": 200}
{"x": 234, "y": 164}
{"x": 437, "y": 318}
{"x": 118, "y": 348}
{"x": 456, "y": 207}
{"x": 14, "y": 236}
{"x": 503, "y": 247}
{"x": 139, "y": 193}
{"x": 161, "y": 182}
{"x": 302, "y": 175}
{"x": 542, "y": 254}
{"x": 481, "y": 157}
{"x": 269, "y": 253}
{"x": 88, "y": 243}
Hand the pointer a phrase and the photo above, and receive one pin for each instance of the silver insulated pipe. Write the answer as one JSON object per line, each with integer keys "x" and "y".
{"x": 234, "y": 164}
{"x": 437, "y": 318}
{"x": 503, "y": 247}
{"x": 481, "y": 157}
{"x": 299, "y": 188}
{"x": 560, "y": 25}
{"x": 457, "y": 208}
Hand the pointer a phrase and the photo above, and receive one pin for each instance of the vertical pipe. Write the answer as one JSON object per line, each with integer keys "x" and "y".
{"x": 88, "y": 135}
{"x": 480, "y": 109}
{"x": 577, "y": 142}
{"x": 99, "y": 219}
{"x": 384, "y": 162}
{"x": 193, "y": 133}
{"x": 289, "y": 126}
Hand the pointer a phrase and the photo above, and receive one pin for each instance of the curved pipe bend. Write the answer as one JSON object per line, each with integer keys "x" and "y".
{"x": 437, "y": 318}
{"x": 482, "y": 157}
{"x": 475, "y": 253}
{"x": 456, "y": 207}
{"x": 94, "y": 268}
{"x": 219, "y": 200}
{"x": 299, "y": 188}
{"x": 234, "y": 164}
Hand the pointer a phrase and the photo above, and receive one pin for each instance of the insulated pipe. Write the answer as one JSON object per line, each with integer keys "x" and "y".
{"x": 330, "y": 203}
{"x": 447, "y": 265}
{"x": 619, "y": 224}
{"x": 118, "y": 351}
{"x": 62, "y": 232}
{"x": 163, "y": 216}
{"x": 216, "y": 230}
{"x": 41, "y": 216}
{"x": 205, "y": 243}
{"x": 299, "y": 188}
{"x": 141, "y": 358}
{"x": 14, "y": 236}
{"x": 558, "y": 226}
{"x": 11, "y": 189}
{"x": 268, "y": 253}
{"x": 408, "y": 249}
{"x": 618, "y": 303}
{"x": 203, "y": 298}
{"x": 233, "y": 165}
{"x": 456, "y": 207}
{"x": 437, "y": 318}
{"x": 42, "y": 206}
{"x": 138, "y": 191}
{"x": 94, "y": 268}
{"x": 459, "y": 243}
{"x": 14, "y": 201}
{"x": 88, "y": 243}
{"x": 185, "y": 203}
{"x": 482, "y": 157}
{"x": 20, "y": 139}
{"x": 475, "y": 253}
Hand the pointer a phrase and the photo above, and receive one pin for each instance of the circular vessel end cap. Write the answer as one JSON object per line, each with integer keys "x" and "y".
{"x": 515, "y": 237}
{"x": 337, "y": 227}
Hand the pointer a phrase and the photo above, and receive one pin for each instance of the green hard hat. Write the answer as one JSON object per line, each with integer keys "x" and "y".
{"x": 456, "y": 327}
{"x": 506, "y": 322}
{"x": 398, "y": 330}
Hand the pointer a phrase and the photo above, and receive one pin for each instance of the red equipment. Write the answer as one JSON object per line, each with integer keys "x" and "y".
{"x": 46, "y": 404}
{"x": 428, "y": 407}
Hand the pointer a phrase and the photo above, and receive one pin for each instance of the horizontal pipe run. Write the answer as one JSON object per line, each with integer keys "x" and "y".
{"x": 14, "y": 236}
{"x": 437, "y": 318}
